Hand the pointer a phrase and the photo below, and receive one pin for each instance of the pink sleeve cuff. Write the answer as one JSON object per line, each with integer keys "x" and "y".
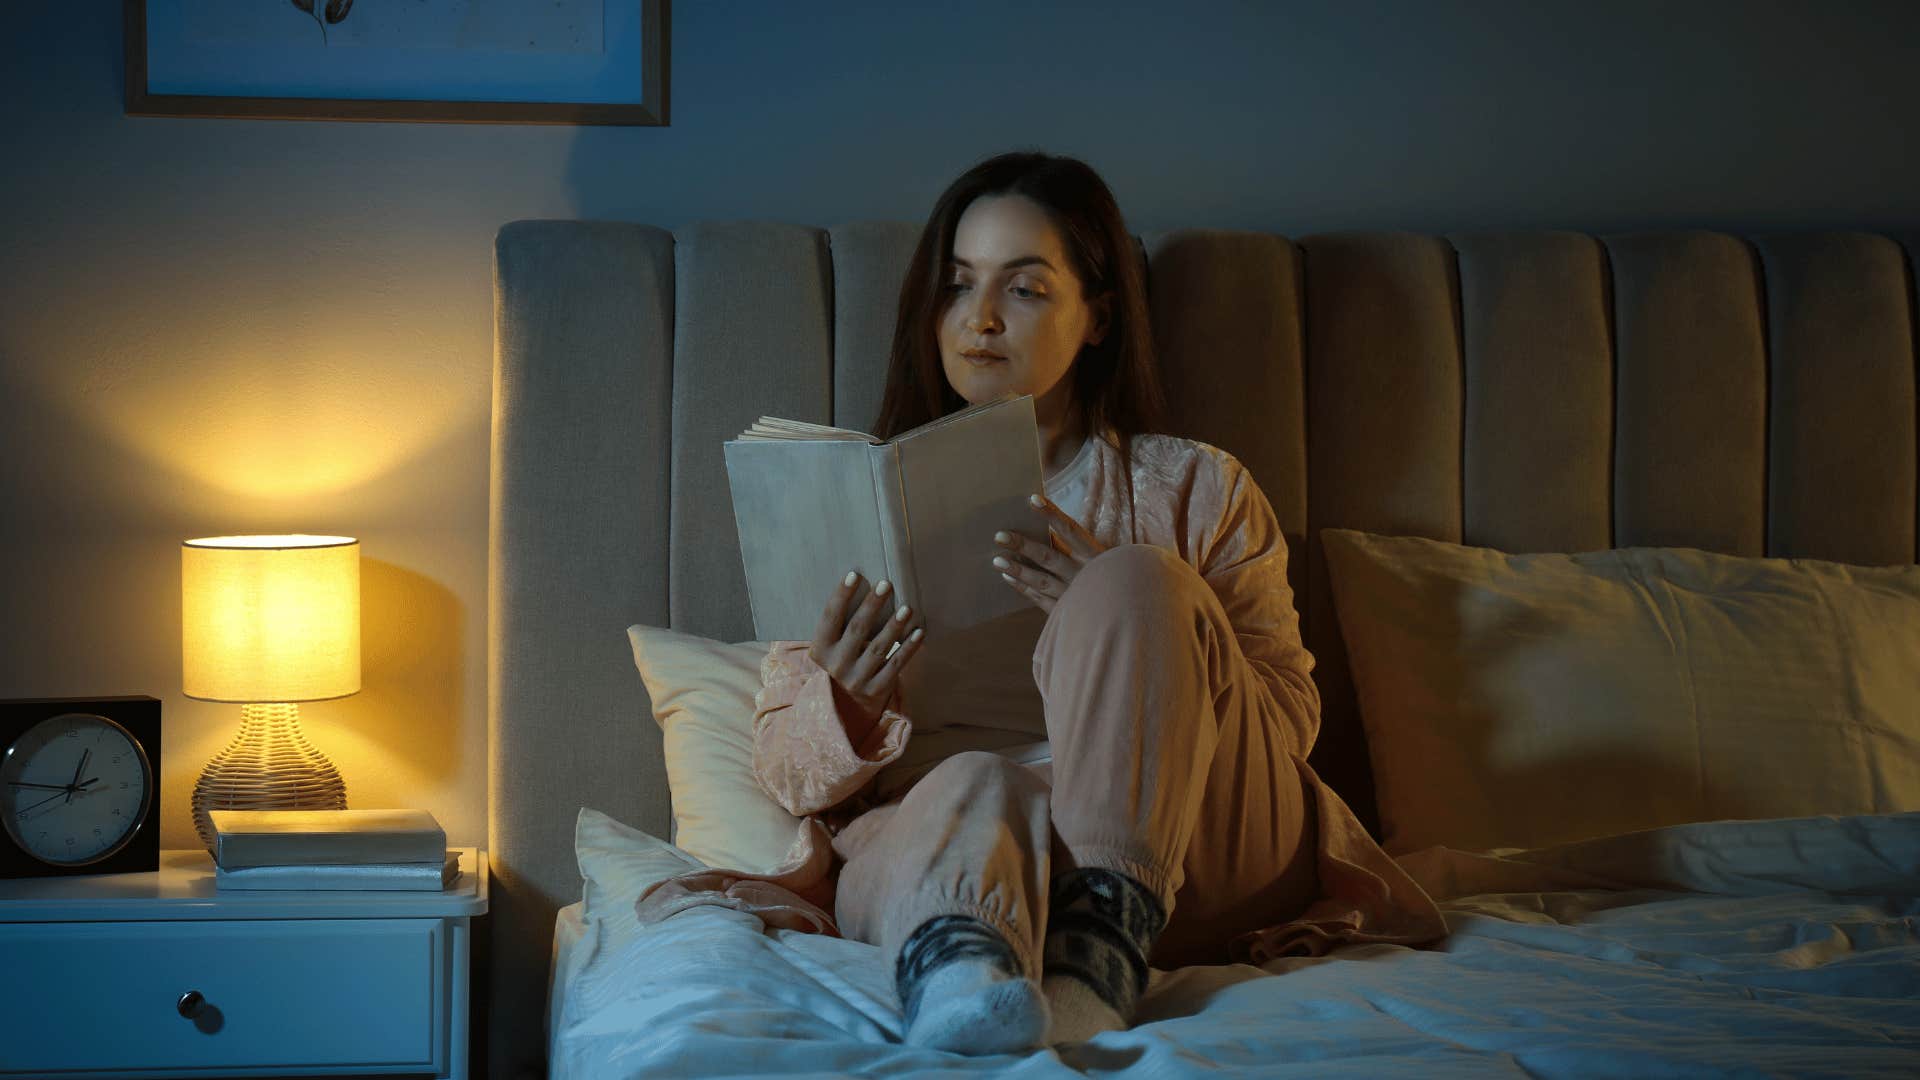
{"x": 801, "y": 754}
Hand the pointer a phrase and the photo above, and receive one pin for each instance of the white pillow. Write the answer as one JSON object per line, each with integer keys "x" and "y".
{"x": 617, "y": 863}
{"x": 1527, "y": 700}
{"x": 702, "y": 693}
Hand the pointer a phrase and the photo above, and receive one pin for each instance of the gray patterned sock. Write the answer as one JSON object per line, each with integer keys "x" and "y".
{"x": 962, "y": 989}
{"x": 1101, "y": 926}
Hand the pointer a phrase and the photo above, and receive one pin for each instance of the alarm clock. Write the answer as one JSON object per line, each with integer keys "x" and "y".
{"x": 79, "y": 786}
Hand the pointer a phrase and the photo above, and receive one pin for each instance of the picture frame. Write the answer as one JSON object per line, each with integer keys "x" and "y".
{"x": 175, "y": 68}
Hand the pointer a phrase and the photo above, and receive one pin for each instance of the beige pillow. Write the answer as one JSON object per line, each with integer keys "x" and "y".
{"x": 1525, "y": 700}
{"x": 702, "y": 693}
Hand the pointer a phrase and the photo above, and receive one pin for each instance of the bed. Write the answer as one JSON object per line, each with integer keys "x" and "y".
{"x": 1548, "y": 392}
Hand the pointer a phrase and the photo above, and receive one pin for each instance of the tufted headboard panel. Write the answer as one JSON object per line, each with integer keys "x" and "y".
{"x": 1540, "y": 391}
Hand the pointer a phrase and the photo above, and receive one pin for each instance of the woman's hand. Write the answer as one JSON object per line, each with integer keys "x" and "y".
{"x": 853, "y": 648}
{"x": 1042, "y": 572}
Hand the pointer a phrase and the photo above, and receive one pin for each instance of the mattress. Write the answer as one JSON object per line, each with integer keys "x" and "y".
{"x": 1788, "y": 947}
{"x": 569, "y": 926}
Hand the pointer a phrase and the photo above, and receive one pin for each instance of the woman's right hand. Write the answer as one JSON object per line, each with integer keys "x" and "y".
{"x": 851, "y": 643}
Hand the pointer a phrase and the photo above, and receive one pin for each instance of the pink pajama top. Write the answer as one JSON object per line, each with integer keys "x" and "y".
{"x": 1187, "y": 497}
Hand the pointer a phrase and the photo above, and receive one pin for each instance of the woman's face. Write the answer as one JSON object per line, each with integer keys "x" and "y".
{"x": 1015, "y": 315}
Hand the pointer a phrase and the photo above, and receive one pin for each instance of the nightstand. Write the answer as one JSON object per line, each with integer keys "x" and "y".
{"x": 97, "y": 973}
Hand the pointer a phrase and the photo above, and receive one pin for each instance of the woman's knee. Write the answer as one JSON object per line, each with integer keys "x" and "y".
{"x": 1135, "y": 580}
{"x": 977, "y": 773}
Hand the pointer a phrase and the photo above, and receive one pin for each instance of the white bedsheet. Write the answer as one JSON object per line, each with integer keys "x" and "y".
{"x": 567, "y": 958}
{"x": 1765, "y": 976}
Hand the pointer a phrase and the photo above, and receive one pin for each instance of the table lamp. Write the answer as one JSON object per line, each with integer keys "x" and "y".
{"x": 269, "y": 622}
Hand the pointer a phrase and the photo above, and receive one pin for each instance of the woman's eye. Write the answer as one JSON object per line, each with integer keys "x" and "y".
{"x": 955, "y": 286}
{"x": 1025, "y": 293}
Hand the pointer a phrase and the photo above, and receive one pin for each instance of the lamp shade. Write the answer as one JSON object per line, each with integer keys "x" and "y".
{"x": 270, "y": 618}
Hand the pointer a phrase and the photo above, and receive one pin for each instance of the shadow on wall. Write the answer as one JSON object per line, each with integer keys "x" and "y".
{"x": 407, "y": 714}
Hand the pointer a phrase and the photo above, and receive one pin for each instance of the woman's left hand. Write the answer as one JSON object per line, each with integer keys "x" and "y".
{"x": 1041, "y": 572}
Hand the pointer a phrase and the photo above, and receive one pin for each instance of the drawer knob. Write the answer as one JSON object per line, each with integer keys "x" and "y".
{"x": 189, "y": 1004}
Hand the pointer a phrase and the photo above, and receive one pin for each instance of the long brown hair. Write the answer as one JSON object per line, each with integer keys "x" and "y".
{"x": 1115, "y": 383}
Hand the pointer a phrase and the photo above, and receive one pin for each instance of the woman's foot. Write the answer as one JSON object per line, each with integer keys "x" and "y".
{"x": 1101, "y": 926}
{"x": 1078, "y": 1013}
{"x": 973, "y": 1007}
{"x": 961, "y": 991}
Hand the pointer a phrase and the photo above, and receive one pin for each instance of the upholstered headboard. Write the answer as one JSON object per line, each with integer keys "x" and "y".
{"x": 1543, "y": 391}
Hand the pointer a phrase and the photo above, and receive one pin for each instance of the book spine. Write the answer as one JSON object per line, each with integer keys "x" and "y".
{"x": 235, "y": 851}
{"x": 889, "y": 498}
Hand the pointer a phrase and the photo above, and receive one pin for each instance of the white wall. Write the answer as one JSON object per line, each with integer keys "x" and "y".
{"x": 213, "y": 326}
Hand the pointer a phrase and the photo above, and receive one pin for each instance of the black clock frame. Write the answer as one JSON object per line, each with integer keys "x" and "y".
{"x": 140, "y": 715}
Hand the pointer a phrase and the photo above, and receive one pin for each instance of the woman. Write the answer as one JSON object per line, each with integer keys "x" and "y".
{"x": 1021, "y": 905}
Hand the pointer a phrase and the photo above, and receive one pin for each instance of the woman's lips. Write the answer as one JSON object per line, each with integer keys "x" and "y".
{"x": 982, "y": 359}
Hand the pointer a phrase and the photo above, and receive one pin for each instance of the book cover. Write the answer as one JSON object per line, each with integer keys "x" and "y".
{"x": 806, "y": 513}
{"x": 373, "y": 877}
{"x": 245, "y": 838}
{"x": 961, "y": 483}
{"x": 812, "y": 502}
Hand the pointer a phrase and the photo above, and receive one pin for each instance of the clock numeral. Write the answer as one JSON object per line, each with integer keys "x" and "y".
{"x": 116, "y": 813}
{"x": 96, "y": 828}
{"x": 69, "y": 841}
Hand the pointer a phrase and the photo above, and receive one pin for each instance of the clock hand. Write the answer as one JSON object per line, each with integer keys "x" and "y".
{"x": 29, "y": 809}
{"x": 77, "y": 770}
{"x": 47, "y": 787}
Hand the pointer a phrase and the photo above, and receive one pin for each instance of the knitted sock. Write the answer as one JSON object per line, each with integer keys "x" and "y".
{"x": 961, "y": 990}
{"x": 1078, "y": 1013}
{"x": 1101, "y": 926}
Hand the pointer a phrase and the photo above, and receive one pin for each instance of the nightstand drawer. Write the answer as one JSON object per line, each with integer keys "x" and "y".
{"x": 362, "y": 994}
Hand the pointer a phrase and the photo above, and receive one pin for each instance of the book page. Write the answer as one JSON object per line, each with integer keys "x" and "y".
{"x": 774, "y": 427}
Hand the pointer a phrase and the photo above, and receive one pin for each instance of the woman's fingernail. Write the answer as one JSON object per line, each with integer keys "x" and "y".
{"x": 900, "y": 615}
{"x": 916, "y": 635}
{"x": 1036, "y": 500}
{"x": 1002, "y": 563}
{"x": 1008, "y": 580}
{"x": 852, "y": 576}
{"x": 883, "y": 588}
{"x": 1002, "y": 538}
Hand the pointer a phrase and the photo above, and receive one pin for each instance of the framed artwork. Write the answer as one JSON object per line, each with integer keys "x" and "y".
{"x": 455, "y": 61}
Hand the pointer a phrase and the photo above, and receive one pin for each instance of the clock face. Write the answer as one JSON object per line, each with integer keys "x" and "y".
{"x": 74, "y": 788}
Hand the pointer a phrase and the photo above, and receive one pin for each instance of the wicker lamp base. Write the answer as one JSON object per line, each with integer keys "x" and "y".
{"x": 268, "y": 766}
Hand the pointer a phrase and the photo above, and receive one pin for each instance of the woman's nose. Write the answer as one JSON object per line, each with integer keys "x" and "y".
{"x": 982, "y": 316}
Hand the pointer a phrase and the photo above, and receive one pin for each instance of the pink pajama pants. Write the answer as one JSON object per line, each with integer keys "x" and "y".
{"x": 1164, "y": 769}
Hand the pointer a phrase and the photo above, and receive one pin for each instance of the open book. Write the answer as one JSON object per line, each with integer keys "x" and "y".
{"x": 813, "y": 502}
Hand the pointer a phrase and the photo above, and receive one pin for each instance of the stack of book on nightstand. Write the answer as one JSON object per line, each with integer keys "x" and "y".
{"x": 331, "y": 849}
